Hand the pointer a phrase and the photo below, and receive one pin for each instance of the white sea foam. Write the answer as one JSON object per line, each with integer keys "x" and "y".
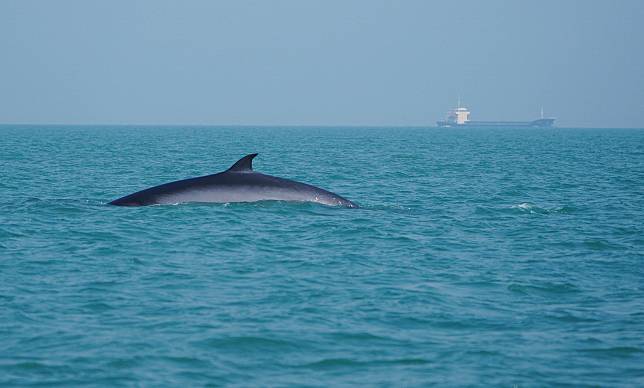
{"x": 523, "y": 206}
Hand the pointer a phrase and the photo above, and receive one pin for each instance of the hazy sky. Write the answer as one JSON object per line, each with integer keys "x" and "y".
{"x": 320, "y": 62}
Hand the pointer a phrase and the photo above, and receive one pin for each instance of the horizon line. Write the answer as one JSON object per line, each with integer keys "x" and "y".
{"x": 278, "y": 125}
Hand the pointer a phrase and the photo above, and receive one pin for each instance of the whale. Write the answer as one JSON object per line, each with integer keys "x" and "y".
{"x": 237, "y": 184}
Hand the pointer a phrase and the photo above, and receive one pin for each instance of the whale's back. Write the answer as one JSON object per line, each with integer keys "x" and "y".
{"x": 237, "y": 184}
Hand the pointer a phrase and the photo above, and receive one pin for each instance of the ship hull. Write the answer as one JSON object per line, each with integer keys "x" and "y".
{"x": 539, "y": 123}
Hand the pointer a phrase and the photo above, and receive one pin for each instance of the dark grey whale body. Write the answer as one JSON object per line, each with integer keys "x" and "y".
{"x": 237, "y": 184}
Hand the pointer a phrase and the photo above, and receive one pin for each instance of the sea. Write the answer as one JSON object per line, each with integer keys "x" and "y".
{"x": 478, "y": 257}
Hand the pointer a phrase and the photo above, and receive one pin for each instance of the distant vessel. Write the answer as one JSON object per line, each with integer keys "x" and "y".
{"x": 460, "y": 117}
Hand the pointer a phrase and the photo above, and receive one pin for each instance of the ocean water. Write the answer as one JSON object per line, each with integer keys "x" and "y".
{"x": 478, "y": 257}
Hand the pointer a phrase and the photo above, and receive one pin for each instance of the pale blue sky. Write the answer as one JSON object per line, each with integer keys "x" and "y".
{"x": 320, "y": 62}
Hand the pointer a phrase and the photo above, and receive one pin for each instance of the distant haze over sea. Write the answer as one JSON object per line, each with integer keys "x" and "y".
{"x": 328, "y": 62}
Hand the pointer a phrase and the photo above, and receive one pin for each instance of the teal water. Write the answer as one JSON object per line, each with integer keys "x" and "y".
{"x": 478, "y": 257}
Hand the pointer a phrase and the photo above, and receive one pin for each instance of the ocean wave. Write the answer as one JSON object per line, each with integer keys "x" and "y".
{"x": 528, "y": 207}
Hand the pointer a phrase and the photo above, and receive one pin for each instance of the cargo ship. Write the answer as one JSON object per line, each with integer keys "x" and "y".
{"x": 460, "y": 117}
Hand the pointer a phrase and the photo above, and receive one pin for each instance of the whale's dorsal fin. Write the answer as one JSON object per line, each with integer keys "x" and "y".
{"x": 244, "y": 164}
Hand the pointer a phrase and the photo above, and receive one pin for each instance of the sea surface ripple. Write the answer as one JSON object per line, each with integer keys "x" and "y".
{"x": 478, "y": 257}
